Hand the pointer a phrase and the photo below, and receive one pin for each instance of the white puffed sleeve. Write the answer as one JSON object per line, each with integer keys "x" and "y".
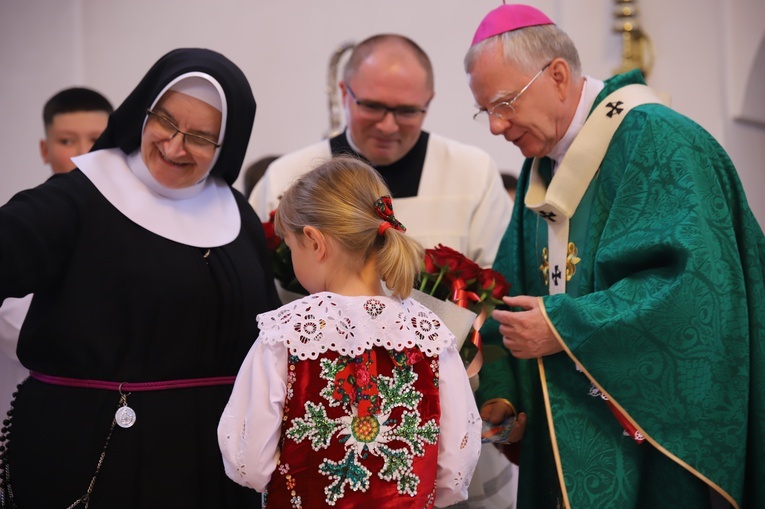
{"x": 459, "y": 444}
{"x": 250, "y": 427}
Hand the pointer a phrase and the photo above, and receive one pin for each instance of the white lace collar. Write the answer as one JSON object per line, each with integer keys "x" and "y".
{"x": 351, "y": 325}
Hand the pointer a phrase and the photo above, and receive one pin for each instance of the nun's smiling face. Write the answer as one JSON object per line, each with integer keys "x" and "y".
{"x": 178, "y": 142}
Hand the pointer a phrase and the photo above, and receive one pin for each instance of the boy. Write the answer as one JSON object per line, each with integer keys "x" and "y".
{"x": 74, "y": 119}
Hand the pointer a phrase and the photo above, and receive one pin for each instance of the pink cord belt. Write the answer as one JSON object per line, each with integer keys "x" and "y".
{"x": 132, "y": 386}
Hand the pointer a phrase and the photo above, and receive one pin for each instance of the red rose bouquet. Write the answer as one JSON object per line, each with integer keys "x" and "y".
{"x": 446, "y": 271}
{"x": 452, "y": 278}
{"x": 281, "y": 259}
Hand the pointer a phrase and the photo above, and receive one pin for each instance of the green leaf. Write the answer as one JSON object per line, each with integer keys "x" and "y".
{"x": 398, "y": 390}
{"x": 410, "y": 432}
{"x": 346, "y": 471}
{"x": 315, "y": 426}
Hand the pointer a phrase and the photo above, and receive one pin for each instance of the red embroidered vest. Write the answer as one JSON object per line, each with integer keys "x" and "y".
{"x": 359, "y": 432}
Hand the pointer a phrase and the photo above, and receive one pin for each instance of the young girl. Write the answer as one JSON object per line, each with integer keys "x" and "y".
{"x": 351, "y": 397}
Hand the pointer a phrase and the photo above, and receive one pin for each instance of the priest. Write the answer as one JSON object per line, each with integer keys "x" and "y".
{"x": 636, "y": 324}
{"x": 445, "y": 191}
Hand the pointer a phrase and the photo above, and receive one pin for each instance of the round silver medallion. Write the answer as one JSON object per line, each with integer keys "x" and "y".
{"x": 124, "y": 416}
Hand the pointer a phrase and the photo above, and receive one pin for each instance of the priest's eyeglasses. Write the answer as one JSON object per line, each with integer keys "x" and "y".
{"x": 375, "y": 111}
{"x": 196, "y": 144}
{"x": 506, "y": 109}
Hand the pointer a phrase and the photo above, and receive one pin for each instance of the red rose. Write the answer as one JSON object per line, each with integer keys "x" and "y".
{"x": 429, "y": 264}
{"x": 494, "y": 282}
{"x": 486, "y": 280}
{"x": 467, "y": 270}
{"x": 449, "y": 275}
{"x": 502, "y": 287}
{"x": 447, "y": 257}
{"x": 456, "y": 264}
{"x": 273, "y": 241}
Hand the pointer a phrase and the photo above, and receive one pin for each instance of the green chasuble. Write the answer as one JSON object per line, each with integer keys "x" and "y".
{"x": 664, "y": 314}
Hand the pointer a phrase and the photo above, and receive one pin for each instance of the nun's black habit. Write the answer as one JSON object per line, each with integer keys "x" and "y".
{"x": 116, "y": 301}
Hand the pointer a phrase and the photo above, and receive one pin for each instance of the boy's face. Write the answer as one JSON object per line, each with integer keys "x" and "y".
{"x": 69, "y": 135}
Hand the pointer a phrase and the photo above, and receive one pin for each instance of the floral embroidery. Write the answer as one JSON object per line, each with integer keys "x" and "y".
{"x": 374, "y": 307}
{"x": 545, "y": 266}
{"x": 425, "y": 326}
{"x": 346, "y": 471}
{"x": 410, "y": 431}
{"x": 398, "y": 465}
{"x": 399, "y": 390}
{"x": 324, "y": 301}
{"x": 345, "y": 328}
{"x": 240, "y": 470}
{"x": 356, "y": 383}
{"x": 571, "y": 260}
{"x": 406, "y": 357}
{"x": 402, "y": 320}
{"x": 413, "y": 356}
{"x": 396, "y": 441}
{"x": 315, "y": 426}
{"x": 435, "y": 369}
{"x": 295, "y": 502}
{"x": 291, "y": 378}
{"x": 310, "y": 329}
{"x": 284, "y": 316}
{"x": 362, "y": 376}
{"x": 365, "y": 433}
{"x": 431, "y": 497}
{"x": 329, "y": 371}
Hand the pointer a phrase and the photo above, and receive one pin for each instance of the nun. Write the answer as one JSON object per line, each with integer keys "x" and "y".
{"x": 148, "y": 270}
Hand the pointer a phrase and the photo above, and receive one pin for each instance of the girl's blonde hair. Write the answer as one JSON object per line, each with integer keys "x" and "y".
{"x": 338, "y": 198}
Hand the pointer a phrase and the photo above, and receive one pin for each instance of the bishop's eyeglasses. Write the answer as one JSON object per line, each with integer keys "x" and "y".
{"x": 506, "y": 109}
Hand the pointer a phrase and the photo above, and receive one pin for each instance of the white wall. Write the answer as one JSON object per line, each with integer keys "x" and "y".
{"x": 284, "y": 49}
{"x": 40, "y": 53}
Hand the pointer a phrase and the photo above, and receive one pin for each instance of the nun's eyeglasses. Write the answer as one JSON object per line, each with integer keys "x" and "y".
{"x": 506, "y": 109}
{"x": 194, "y": 143}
